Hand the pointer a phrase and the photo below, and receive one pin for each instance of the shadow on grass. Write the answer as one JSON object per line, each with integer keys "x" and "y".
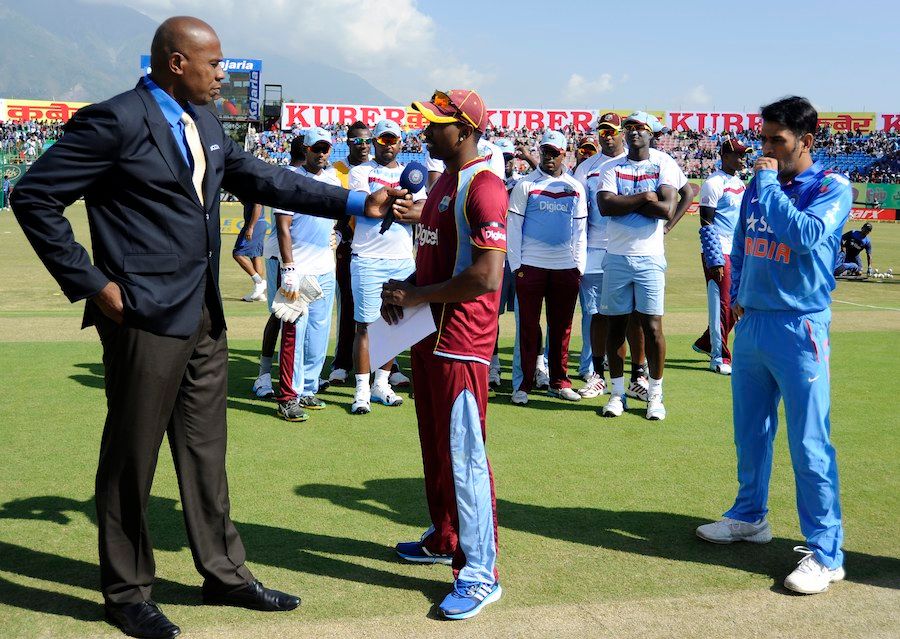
{"x": 313, "y": 554}
{"x": 654, "y": 534}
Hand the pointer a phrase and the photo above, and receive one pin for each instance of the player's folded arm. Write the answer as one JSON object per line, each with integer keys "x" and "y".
{"x": 664, "y": 207}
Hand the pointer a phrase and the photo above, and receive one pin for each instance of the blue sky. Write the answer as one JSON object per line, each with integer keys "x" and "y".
{"x": 671, "y": 55}
{"x": 704, "y": 55}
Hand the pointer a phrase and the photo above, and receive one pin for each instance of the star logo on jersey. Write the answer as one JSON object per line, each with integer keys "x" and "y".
{"x": 444, "y": 204}
{"x": 751, "y": 222}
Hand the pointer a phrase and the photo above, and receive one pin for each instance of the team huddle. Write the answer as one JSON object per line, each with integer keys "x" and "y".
{"x": 478, "y": 241}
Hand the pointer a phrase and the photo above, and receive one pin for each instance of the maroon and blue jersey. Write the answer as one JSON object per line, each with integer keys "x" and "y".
{"x": 463, "y": 211}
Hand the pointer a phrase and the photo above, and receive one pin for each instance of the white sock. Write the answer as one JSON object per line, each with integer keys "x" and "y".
{"x": 381, "y": 378}
{"x": 541, "y": 364}
{"x": 256, "y": 278}
{"x": 655, "y": 387}
{"x": 618, "y": 385}
{"x": 265, "y": 365}
{"x": 362, "y": 385}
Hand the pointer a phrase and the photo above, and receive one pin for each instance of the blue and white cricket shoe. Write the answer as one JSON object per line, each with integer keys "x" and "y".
{"x": 417, "y": 553}
{"x": 468, "y": 598}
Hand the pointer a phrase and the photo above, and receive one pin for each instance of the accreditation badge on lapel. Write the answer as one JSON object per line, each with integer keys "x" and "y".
{"x": 444, "y": 204}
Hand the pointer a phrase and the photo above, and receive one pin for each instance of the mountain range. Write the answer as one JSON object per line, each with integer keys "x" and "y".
{"x": 81, "y": 51}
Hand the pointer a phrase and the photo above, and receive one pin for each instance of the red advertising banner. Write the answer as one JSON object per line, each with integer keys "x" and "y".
{"x": 838, "y": 121}
{"x": 297, "y": 114}
{"x": 890, "y": 122}
{"x": 873, "y": 214}
{"x": 16, "y": 110}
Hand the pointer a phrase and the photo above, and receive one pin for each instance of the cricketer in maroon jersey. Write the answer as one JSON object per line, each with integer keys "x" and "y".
{"x": 459, "y": 269}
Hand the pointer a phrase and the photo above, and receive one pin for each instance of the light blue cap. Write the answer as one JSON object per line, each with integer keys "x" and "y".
{"x": 645, "y": 118}
{"x": 387, "y": 126}
{"x": 316, "y": 134}
{"x": 555, "y": 139}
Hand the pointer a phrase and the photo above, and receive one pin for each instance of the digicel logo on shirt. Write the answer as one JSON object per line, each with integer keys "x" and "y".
{"x": 553, "y": 207}
{"x": 428, "y": 236}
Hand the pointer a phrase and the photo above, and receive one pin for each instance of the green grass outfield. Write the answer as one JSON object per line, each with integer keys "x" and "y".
{"x": 596, "y": 516}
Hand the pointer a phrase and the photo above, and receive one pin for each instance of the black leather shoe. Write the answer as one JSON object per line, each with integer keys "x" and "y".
{"x": 143, "y": 619}
{"x": 254, "y": 596}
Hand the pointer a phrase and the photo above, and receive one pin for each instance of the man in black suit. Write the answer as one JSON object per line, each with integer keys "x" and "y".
{"x": 150, "y": 166}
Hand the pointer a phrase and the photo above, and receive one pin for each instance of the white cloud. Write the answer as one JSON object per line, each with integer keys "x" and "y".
{"x": 391, "y": 43}
{"x": 698, "y": 97}
{"x": 580, "y": 89}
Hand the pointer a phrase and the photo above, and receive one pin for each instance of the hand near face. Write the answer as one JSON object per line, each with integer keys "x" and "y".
{"x": 765, "y": 164}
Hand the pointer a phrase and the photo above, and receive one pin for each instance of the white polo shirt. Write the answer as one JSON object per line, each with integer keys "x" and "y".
{"x": 396, "y": 243}
{"x": 723, "y": 192}
{"x": 547, "y": 222}
{"x": 633, "y": 233}
{"x": 310, "y": 235}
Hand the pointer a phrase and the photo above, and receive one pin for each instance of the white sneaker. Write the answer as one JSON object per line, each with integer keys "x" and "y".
{"x": 398, "y": 379}
{"x": 639, "y": 389}
{"x": 493, "y": 377}
{"x": 361, "y": 404}
{"x": 541, "y": 379}
{"x": 721, "y": 369}
{"x": 615, "y": 406}
{"x": 728, "y": 530}
{"x": 811, "y": 577}
{"x": 567, "y": 394}
{"x": 519, "y": 397}
{"x": 595, "y": 386}
{"x": 385, "y": 395}
{"x": 655, "y": 409}
{"x": 262, "y": 386}
{"x": 338, "y": 376}
{"x": 257, "y": 294}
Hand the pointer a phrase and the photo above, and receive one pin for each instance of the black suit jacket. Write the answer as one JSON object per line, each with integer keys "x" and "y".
{"x": 149, "y": 231}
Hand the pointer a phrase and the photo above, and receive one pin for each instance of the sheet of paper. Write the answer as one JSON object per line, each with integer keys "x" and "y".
{"x": 386, "y": 341}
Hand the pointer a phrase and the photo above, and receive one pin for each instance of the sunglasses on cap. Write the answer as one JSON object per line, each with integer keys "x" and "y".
{"x": 441, "y": 99}
{"x": 606, "y": 132}
{"x": 637, "y": 126}
{"x": 587, "y": 151}
{"x": 358, "y": 141}
{"x": 552, "y": 151}
{"x": 387, "y": 139}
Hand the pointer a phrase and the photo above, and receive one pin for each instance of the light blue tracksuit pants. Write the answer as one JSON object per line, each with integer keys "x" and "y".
{"x": 785, "y": 355}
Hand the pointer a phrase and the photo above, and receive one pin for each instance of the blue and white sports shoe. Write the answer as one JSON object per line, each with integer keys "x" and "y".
{"x": 468, "y": 598}
{"x": 417, "y": 553}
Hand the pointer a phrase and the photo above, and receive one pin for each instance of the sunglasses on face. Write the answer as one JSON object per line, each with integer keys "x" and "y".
{"x": 637, "y": 127}
{"x": 358, "y": 141}
{"x": 320, "y": 148}
{"x": 551, "y": 151}
{"x": 386, "y": 139}
{"x": 607, "y": 133}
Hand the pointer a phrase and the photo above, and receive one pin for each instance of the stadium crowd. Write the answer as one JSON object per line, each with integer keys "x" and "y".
{"x": 25, "y": 141}
{"x": 863, "y": 158}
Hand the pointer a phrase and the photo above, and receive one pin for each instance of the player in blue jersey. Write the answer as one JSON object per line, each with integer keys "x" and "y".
{"x": 853, "y": 243}
{"x": 787, "y": 236}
